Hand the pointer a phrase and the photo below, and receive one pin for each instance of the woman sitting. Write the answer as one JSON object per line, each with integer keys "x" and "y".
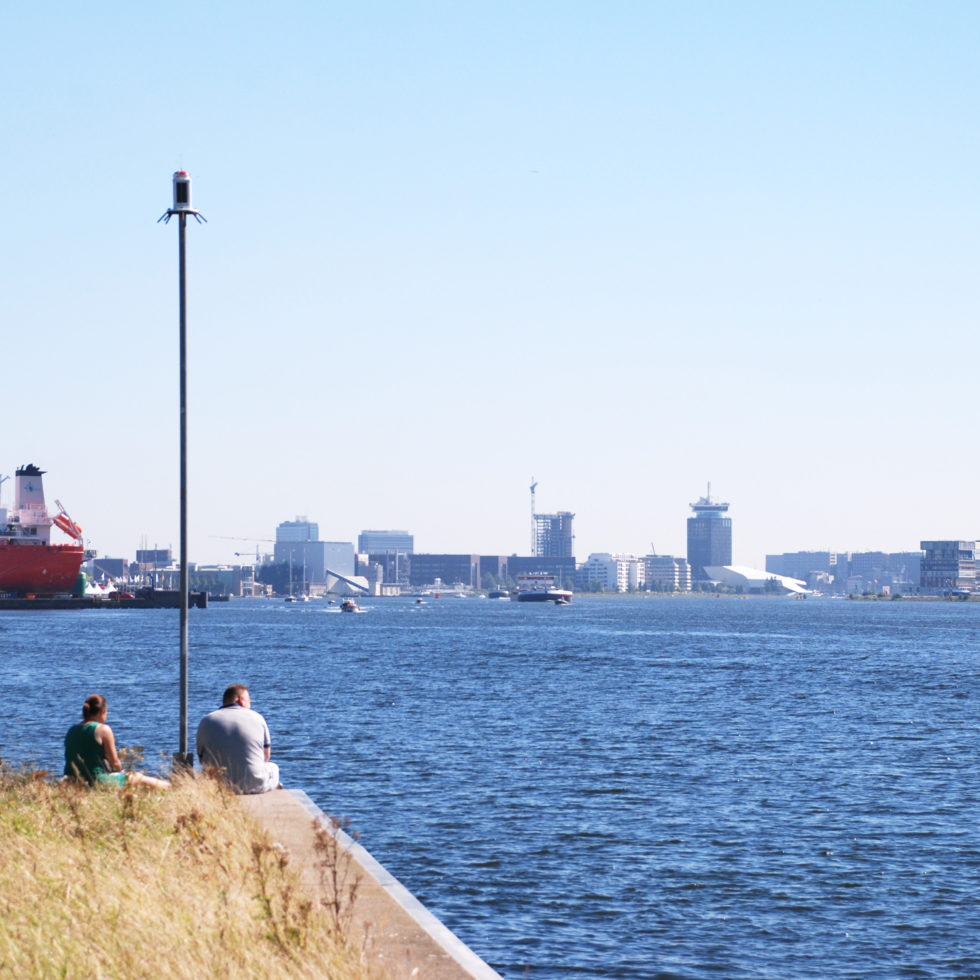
{"x": 90, "y": 750}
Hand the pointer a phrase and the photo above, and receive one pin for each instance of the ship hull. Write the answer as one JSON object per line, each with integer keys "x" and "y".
{"x": 39, "y": 569}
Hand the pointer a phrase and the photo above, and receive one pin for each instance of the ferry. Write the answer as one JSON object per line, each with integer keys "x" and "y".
{"x": 29, "y": 563}
{"x": 540, "y": 587}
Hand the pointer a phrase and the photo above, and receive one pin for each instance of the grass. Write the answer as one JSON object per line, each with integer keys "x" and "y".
{"x": 134, "y": 882}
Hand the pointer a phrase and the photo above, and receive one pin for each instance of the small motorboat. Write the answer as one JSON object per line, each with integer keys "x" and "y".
{"x": 349, "y": 605}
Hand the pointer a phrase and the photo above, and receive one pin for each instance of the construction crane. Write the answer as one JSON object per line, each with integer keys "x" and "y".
{"x": 239, "y": 554}
{"x": 534, "y": 523}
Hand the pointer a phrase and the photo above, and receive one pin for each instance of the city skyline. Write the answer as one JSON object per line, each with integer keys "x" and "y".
{"x": 628, "y": 250}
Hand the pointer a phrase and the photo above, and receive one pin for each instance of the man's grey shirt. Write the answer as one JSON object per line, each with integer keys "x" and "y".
{"x": 234, "y": 739}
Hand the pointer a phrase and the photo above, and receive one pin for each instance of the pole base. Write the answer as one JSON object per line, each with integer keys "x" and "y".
{"x": 183, "y": 762}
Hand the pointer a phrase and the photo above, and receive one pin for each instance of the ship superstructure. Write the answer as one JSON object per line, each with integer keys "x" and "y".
{"x": 540, "y": 587}
{"x": 29, "y": 562}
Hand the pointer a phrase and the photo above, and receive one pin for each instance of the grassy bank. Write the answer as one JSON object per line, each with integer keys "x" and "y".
{"x": 134, "y": 882}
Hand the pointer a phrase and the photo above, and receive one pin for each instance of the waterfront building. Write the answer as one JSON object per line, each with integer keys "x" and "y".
{"x": 553, "y": 535}
{"x": 665, "y": 573}
{"x": 103, "y": 569}
{"x": 612, "y": 573}
{"x": 494, "y": 571}
{"x": 298, "y": 545}
{"x": 381, "y": 542}
{"x": 396, "y": 566}
{"x": 754, "y": 581}
{"x": 309, "y": 561}
{"x": 448, "y": 570}
{"x": 709, "y": 536}
{"x": 850, "y": 572}
{"x": 150, "y": 558}
{"x": 948, "y": 566}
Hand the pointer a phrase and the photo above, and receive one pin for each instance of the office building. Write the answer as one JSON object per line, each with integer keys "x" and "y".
{"x": 948, "y": 566}
{"x": 381, "y": 542}
{"x": 395, "y": 566}
{"x": 299, "y": 530}
{"x": 709, "y": 536}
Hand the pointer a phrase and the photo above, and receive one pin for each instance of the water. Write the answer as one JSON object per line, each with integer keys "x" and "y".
{"x": 622, "y": 787}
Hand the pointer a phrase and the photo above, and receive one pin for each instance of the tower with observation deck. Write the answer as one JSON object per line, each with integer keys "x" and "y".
{"x": 709, "y": 536}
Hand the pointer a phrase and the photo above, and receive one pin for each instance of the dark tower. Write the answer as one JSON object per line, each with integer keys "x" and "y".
{"x": 709, "y": 536}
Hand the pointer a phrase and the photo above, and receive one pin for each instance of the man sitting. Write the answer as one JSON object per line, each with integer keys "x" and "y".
{"x": 236, "y": 740}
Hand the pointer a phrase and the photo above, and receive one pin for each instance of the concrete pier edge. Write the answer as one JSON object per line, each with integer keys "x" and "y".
{"x": 451, "y": 944}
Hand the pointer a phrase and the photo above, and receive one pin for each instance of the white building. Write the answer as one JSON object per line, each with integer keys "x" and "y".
{"x": 667, "y": 574}
{"x": 613, "y": 573}
{"x": 755, "y": 580}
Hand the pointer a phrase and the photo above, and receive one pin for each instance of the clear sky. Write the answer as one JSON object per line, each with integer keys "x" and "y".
{"x": 625, "y": 248}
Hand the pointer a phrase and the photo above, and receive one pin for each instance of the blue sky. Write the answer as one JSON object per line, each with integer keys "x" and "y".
{"x": 624, "y": 248}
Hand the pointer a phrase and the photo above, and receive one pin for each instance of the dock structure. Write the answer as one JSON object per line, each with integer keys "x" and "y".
{"x": 397, "y": 933}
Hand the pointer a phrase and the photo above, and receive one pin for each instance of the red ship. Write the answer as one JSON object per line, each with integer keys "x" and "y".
{"x": 29, "y": 563}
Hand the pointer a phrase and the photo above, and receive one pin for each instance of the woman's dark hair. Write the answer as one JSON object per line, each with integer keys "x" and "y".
{"x": 93, "y": 707}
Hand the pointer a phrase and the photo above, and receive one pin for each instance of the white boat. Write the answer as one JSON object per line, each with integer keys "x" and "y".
{"x": 349, "y": 605}
{"x": 540, "y": 587}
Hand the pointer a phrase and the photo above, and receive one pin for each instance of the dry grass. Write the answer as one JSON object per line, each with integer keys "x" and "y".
{"x": 134, "y": 882}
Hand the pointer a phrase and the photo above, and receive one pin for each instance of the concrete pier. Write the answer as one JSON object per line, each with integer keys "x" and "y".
{"x": 397, "y": 933}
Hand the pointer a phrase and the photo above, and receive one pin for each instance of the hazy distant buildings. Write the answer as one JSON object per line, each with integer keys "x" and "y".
{"x": 804, "y": 564}
{"x": 380, "y": 542}
{"x": 665, "y": 573}
{"x": 948, "y": 566}
{"x": 150, "y": 558}
{"x": 709, "y": 536}
{"x": 445, "y": 570}
{"x": 553, "y": 535}
{"x": 850, "y": 573}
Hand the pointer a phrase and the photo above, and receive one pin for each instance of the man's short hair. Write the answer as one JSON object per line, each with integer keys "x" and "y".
{"x": 232, "y": 694}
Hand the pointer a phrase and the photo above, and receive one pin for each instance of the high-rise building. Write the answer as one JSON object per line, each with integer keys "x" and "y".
{"x": 709, "y": 536}
{"x": 380, "y": 542}
{"x": 553, "y": 535}
{"x": 948, "y": 566}
{"x": 299, "y": 530}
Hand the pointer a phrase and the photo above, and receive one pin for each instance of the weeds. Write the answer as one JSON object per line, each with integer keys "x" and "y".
{"x": 126, "y": 882}
{"x": 339, "y": 883}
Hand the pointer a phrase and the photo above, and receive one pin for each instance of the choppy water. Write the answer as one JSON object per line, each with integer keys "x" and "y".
{"x": 619, "y": 788}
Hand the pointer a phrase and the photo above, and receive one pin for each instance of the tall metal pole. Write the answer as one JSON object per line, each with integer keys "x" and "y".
{"x": 182, "y": 208}
{"x": 183, "y": 757}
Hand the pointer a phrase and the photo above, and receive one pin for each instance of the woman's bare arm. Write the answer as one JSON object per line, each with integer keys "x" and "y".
{"x": 104, "y": 736}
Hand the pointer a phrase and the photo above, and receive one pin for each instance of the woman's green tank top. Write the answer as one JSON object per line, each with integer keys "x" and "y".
{"x": 83, "y": 755}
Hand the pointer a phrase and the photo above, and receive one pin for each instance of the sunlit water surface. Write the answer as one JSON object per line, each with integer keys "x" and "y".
{"x": 620, "y": 788}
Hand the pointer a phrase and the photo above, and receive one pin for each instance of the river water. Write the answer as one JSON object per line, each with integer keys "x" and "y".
{"x": 623, "y": 787}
